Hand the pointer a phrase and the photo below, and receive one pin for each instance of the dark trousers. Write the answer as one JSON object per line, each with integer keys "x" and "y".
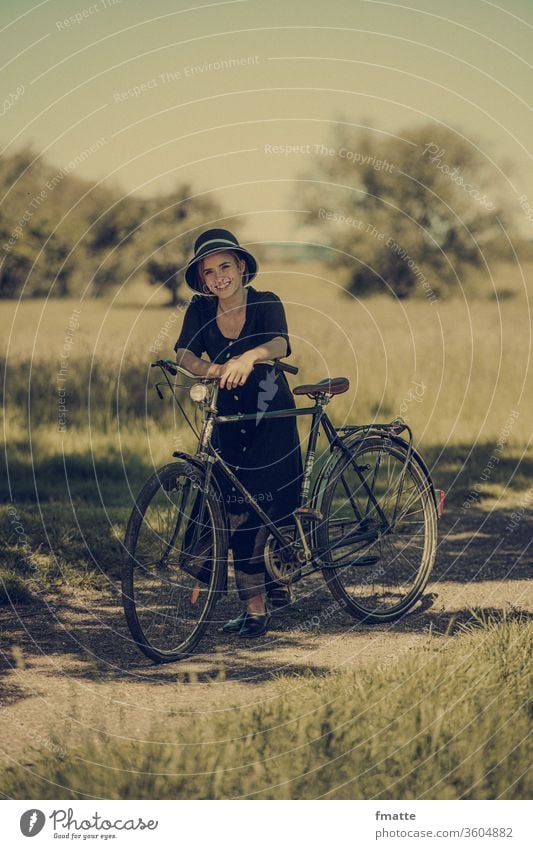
{"x": 247, "y": 542}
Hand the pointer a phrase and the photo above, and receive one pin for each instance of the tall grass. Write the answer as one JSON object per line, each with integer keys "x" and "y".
{"x": 448, "y": 721}
{"x": 456, "y": 370}
{"x": 469, "y": 358}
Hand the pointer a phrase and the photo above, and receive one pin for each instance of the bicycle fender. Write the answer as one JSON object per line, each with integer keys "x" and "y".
{"x": 201, "y": 467}
{"x": 359, "y": 436}
{"x": 424, "y": 468}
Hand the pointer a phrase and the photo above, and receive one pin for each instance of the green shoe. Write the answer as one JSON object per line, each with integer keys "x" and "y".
{"x": 255, "y": 624}
{"x": 235, "y": 625}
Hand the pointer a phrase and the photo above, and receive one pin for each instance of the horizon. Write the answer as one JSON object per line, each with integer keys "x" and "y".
{"x": 259, "y": 78}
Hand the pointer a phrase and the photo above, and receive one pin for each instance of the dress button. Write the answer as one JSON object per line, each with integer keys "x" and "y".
{"x": 233, "y": 489}
{"x": 227, "y": 355}
{"x": 244, "y": 447}
{"x": 235, "y": 397}
{"x": 243, "y": 430}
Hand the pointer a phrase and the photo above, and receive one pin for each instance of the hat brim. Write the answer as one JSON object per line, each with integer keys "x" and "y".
{"x": 250, "y": 260}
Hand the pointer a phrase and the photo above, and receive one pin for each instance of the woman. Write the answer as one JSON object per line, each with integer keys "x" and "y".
{"x": 237, "y": 326}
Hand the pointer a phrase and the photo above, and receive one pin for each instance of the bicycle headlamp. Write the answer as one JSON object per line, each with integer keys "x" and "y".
{"x": 198, "y": 392}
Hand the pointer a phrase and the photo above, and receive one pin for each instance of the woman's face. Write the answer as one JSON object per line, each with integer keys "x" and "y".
{"x": 222, "y": 273}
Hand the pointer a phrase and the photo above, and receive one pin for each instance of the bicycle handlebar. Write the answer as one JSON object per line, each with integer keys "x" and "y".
{"x": 277, "y": 364}
{"x": 174, "y": 368}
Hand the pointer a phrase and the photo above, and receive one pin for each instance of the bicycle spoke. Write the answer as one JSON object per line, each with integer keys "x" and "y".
{"x": 171, "y": 576}
{"x": 386, "y": 585}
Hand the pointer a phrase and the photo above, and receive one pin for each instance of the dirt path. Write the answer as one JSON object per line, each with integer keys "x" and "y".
{"x": 68, "y": 664}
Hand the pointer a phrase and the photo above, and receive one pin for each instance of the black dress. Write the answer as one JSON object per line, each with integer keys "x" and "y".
{"x": 264, "y": 454}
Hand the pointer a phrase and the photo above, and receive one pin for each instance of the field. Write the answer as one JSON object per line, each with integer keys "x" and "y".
{"x": 84, "y": 427}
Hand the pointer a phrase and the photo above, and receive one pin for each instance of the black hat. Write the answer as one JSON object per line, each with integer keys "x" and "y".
{"x": 213, "y": 241}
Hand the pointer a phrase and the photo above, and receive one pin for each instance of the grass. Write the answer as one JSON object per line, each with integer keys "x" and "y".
{"x": 448, "y": 721}
{"x": 468, "y": 358}
{"x": 456, "y": 370}
{"x": 72, "y": 505}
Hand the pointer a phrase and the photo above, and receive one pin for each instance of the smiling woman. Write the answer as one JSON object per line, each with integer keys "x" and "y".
{"x": 238, "y": 326}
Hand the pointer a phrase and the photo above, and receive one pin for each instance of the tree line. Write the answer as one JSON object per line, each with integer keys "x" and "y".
{"x": 410, "y": 214}
{"x": 63, "y": 236}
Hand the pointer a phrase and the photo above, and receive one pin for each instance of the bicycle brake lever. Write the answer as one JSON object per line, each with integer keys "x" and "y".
{"x": 169, "y": 365}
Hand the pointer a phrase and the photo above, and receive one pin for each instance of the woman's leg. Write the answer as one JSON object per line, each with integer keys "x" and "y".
{"x": 247, "y": 542}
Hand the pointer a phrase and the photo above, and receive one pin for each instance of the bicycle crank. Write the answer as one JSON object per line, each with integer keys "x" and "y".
{"x": 281, "y": 563}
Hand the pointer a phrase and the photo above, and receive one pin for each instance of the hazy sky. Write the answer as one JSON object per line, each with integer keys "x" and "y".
{"x": 132, "y": 79}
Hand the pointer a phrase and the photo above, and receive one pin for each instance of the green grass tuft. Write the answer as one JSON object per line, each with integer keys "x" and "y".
{"x": 448, "y": 721}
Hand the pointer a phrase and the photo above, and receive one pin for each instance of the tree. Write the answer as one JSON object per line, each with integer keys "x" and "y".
{"x": 60, "y": 235}
{"x": 409, "y": 214}
{"x": 169, "y": 229}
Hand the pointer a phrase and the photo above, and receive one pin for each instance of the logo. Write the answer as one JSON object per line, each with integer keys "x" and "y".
{"x": 32, "y": 822}
{"x": 268, "y": 390}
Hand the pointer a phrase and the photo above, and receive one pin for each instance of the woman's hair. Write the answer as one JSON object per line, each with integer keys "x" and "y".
{"x": 236, "y": 255}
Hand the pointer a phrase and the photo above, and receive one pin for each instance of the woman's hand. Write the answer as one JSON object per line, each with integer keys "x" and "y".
{"x": 236, "y": 371}
{"x": 215, "y": 370}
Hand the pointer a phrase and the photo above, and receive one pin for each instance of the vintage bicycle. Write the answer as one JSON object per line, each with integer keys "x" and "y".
{"x": 367, "y": 522}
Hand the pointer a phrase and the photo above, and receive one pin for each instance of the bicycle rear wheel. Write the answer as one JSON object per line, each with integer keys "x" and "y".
{"x": 378, "y": 551}
{"x": 175, "y": 563}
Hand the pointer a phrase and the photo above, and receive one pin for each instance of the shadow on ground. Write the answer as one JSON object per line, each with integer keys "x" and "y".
{"x": 84, "y": 635}
{"x": 86, "y": 632}
{"x": 95, "y": 645}
{"x": 97, "y": 478}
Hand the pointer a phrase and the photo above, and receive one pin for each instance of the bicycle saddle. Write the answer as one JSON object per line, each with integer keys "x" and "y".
{"x": 330, "y": 385}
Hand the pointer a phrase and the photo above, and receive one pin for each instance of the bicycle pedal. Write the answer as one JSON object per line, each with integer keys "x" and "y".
{"x": 307, "y": 513}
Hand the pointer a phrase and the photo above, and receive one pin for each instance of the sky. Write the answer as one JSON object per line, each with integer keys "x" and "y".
{"x": 150, "y": 94}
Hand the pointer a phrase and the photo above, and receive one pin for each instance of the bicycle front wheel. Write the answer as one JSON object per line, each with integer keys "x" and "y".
{"x": 175, "y": 562}
{"x": 378, "y": 537}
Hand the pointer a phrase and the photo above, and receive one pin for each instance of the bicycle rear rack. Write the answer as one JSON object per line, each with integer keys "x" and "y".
{"x": 394, "y": 428}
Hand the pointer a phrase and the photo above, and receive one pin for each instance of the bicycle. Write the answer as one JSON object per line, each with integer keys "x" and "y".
{"x": 368, "y": 523}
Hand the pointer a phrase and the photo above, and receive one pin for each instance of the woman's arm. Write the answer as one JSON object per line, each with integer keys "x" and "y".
{"x": 275, "y": 349}
{"x": 186, "y": 359}
{"x": 236, "y": 371}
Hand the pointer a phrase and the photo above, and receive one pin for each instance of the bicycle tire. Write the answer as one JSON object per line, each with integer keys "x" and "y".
{"x": 358, "y": 573}
{"x": 160, "y": 597}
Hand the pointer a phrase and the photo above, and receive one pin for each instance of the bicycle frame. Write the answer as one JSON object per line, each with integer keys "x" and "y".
{"x": 344, "y": 512}
{"x": 208, "y": 456}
